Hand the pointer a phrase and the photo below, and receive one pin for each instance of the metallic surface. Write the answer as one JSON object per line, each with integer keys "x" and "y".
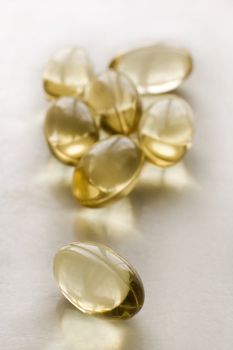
{"x": 176, "y": 228}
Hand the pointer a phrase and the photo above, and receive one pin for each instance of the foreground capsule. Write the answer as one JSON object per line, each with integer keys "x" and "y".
{"x": 67, "y": 73}
{"x": 70, "y": 129}
{"x": 109, "y": 170}
{"x": 98, "y": 281}
{"x": 166, "y": 129}
{"x": 155, "y": 69}
{"x": 115, "y": 98}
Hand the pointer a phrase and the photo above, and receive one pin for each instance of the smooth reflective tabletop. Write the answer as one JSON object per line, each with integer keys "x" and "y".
{"x": 176, "y": 227}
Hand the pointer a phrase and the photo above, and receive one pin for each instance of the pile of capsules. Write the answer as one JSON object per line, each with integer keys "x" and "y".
{"x": 103, "y": 127}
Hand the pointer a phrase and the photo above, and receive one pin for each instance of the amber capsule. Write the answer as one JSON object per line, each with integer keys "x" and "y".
{"x": 109, "y": 170}
{"x": 115, "y": 98}
{"x": 70, "y": 129}
{"x": 98, "y": 281}
{"x": 67, "y": 73}
{"x": 166, "y": 129}
{"x": 155, "y": 69}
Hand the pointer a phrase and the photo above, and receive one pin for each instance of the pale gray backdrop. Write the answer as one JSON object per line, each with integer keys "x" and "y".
{"x": 176, "y": 228}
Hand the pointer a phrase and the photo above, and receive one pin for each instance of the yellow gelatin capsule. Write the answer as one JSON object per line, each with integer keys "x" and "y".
{"x": 98, "y": 281}
{"x": 166, "y": 129}
{"x": 67, "y": 73}
{"x": 155, "y": 69}
{"x": 70, "y": 129}
{"x": 109, "y": 170}
{"x": 115, "y": 98}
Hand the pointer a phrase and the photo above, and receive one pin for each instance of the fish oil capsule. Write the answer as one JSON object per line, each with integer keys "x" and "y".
{"x": 109, "y": 170}
{"x": 70, "y": 129}
{"x": 155, "y": 69}
{"x": 98, "y": 281}
{"x": 115, "y": 98}
{"x": 166, "y": 129}
{"x": 67, "y": 73}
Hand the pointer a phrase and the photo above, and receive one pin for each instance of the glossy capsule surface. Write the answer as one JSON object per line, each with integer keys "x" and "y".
{"x": 115, "y": 98}
{"x": 109, "y": 170}
{"x": 70, "y": 129}
{"x": 67, "y": 73}
{"x": 166, "y": 129}
{"x": 98, "y": 281}
{"x": 155, "y": 69}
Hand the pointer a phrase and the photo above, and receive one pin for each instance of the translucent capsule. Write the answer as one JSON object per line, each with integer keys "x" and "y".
{"x": 67, "y": 73}
{"x": 98, "y": 281}
{"x": 166, "y": 129}
{"x": 70, "y": 129}
{"x": 155, "y": 69}
{"x": 109, "y": 170}
{"x": 115, "y": 98}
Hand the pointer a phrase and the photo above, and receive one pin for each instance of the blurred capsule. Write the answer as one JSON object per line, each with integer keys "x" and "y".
{"x": 155, "y": 69}
{"x": 166, "y": 129}
{"x": 67, "y": 73}
{"x": 115, "y": 98}
{"x": 70, "y": 129}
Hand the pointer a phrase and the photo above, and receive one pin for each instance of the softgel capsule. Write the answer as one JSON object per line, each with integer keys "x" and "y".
{"x": 109, "y": 170}
{"x": 67, "y": 73}
{"x": 70, "y": 129}
{"x": 100, "y": 125}
{"x": 98, "y": 281}
{"x": 166, "y": 129}
{"x": 155, "y": 69}
{"x": 115, "y": 99}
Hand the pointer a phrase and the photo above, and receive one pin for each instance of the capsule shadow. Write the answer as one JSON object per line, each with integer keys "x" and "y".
{"x": 81, "y": 331}
{"x": 108, "y": 224}
{"x": 157, "y": 182}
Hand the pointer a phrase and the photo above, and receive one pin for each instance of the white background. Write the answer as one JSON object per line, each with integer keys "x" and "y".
{"x": 176, "y": 227}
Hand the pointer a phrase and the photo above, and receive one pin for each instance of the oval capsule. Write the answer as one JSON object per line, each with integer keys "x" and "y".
{"x": 155, "y": 69}
{"x": 70, "y": 129}
{"x": 109, "y": 170}
{"x": 166, "y": 129}
{"x": 98, "y": 281}
{"x": 67, "y": 73}
{"x": 113, "y": 96}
